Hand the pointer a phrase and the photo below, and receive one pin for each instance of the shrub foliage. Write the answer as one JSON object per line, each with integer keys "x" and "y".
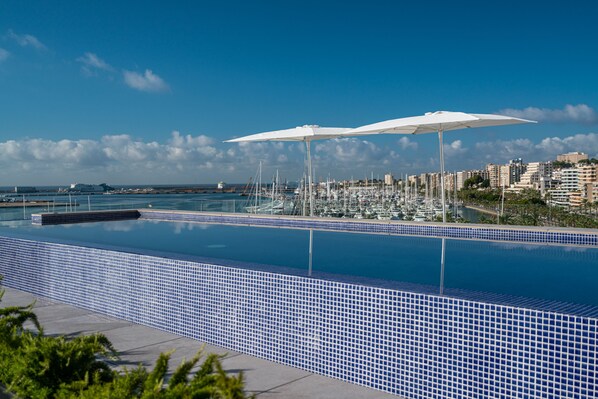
{"x": 36, "y": 366}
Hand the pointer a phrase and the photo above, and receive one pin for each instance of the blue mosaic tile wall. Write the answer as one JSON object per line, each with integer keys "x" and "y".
{"x": 414, "y": 345}
{"x": 555, "y": 236}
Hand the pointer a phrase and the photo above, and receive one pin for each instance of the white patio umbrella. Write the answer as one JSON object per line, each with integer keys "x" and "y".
{"x": 439, "y": 122}
{"x": 305, "y": 133}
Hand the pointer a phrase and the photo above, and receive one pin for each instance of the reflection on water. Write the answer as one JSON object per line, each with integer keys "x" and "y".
{"x": 179, "y": 227}
{"x": 539, "y": 247}
{"x": 14, "y": 223}
{"x": 125, "y": 226}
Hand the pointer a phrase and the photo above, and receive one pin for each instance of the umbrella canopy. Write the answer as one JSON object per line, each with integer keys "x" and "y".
{"x": 433, "y": 122}
{"x": 299, "y": 133}
{"x": 437, "y": 122}
{"x": 305, "y": 133}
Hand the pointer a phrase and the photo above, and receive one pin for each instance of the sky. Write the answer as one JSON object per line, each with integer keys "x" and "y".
{"x": 145, "y": 92}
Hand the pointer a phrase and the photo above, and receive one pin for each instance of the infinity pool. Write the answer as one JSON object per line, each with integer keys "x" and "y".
{"x": 556, "y": 273}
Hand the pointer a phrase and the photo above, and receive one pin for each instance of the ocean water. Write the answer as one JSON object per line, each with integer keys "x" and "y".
{"x": 217, "y": 202}
{"x": 560, "y": 273}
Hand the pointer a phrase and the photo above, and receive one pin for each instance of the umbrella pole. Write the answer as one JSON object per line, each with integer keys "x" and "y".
{"x": 311, "y": 252}
{"x": 304, "y": 189}
{"x": 442, "y": 267}
{"x": 442, "y": 176}
{"x": 311, "y": 198}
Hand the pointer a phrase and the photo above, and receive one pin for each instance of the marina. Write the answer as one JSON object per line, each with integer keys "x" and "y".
{"x": 330, "y": 199}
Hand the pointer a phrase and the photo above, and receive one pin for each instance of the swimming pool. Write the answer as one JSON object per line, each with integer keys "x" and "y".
{"x": 541, "y": 272}
{"x": 371, "y": 313}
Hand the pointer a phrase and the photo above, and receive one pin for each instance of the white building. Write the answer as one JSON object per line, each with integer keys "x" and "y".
{"x": 537, "y": 176}
{"x": 570, "y": 179}
{"x": 493, "y": 175}
{"x": 388, "y": 179}
{"x": 559, "y": 197}
{"x": 576, "y": 185}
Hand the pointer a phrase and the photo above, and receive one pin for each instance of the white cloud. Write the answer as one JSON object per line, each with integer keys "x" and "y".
{"x": 181, "y": 148}
{"x": 180, "y": 158}
{"x": 26, "y": 40}
{"x": 112, "y": 156}
{"x": 123, "y": 148}
{"x": 580, "y": 142}
{"x": 47, "y": 152}
{"x": 148, "y": 82}
{"x": 580, "y": 113}
{"x": 248, "y": 155}
{"x": 4, "y": 55}
{"x": 199, "y": 141}
{"x": 91, "y": 63}
{"x": 454, "y": 149}
{"x": 353, "y": 154}
{"x": 407, "y": 144}
{"x": 545, "y": 150}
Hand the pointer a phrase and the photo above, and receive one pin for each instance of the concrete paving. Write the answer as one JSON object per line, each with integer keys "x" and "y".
{"x": 139, "y": 344}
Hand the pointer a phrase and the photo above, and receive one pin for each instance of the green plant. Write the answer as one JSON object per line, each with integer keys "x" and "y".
{"x": 473, "y": 181}
{"x": 36, "y": 366}
{"x": 209, "y": 382}
{"x": 41, "y": 365}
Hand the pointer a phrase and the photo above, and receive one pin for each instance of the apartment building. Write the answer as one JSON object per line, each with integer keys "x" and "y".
{"x": 576, "y": 185}
{"x": 538, "y": 176}
{"x": 494, "y": 175}
{"x": 572, "y": 157}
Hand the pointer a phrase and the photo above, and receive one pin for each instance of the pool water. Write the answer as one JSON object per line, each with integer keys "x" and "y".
{"x": 561, "y": 273}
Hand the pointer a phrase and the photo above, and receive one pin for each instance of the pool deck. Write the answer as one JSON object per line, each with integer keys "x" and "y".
{"x": 139, "y": 344}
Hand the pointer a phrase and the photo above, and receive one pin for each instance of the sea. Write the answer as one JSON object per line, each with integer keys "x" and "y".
{"x": 65, "y": 202}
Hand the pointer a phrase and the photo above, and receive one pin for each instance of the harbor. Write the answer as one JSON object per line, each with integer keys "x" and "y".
{"x": 331, "y": 200}
{"x": 369, "y": 199}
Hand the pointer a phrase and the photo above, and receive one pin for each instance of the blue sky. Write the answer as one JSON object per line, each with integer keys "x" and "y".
{"x": 145, "y": 92}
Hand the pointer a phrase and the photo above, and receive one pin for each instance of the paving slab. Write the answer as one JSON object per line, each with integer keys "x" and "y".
{"x": 262, "y": 375}
{"x": 317, "y": 386}
{"x": 184, "y": 349}
{"x": 22, "y": 298}
{"x": 4, "y": 394}
{"x": 58, "y": 312}
{"x": 136, "y": 336}
{"x": 83, "y": 324}
{"x": 139, "y": 344}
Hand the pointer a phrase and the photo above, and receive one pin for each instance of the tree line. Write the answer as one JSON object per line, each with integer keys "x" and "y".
{"x": 528, "y": 208}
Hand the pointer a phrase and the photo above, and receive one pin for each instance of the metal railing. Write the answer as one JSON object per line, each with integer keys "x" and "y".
{"x": 22, "y": 207}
